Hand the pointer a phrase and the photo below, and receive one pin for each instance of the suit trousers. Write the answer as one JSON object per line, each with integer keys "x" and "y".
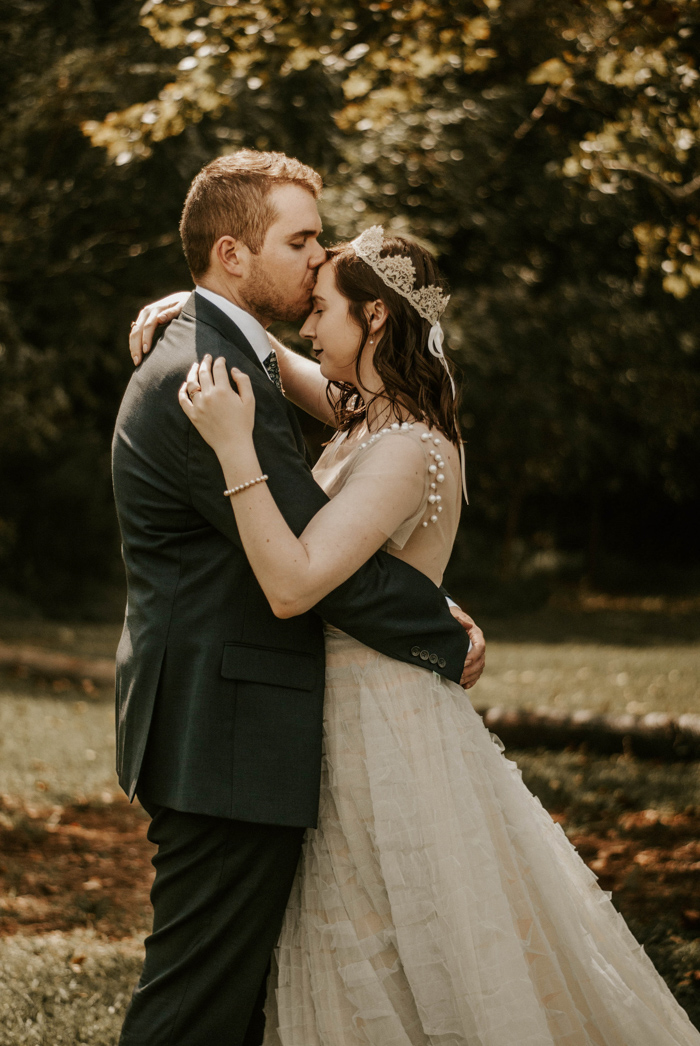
{"x": 219, "y": 895}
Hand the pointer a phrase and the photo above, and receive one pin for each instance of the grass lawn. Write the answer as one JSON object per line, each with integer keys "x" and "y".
{"x": 74, "y": 860}
{"x": 53, "y": 749}
{"x": 600, "y": 677}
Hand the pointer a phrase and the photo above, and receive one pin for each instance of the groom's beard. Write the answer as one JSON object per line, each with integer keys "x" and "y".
{"x": 266, "y": 298}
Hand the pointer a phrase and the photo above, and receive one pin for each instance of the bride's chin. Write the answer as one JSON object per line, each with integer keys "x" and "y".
{"x": 330, "y": 374}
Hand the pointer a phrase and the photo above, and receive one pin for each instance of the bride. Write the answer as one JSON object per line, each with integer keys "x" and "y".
{"x": 437, "y": 903}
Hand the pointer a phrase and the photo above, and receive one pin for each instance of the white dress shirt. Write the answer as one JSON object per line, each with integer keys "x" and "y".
{"x": 247, "y": 324}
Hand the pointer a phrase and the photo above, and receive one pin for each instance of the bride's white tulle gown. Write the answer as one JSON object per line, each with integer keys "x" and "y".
{"x": 437, "y": 903}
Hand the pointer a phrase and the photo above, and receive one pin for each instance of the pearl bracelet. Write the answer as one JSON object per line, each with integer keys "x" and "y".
{"x": 244, "y": 486}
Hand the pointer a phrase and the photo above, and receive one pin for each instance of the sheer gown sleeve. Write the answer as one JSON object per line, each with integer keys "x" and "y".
{"x": 403, "y": 484}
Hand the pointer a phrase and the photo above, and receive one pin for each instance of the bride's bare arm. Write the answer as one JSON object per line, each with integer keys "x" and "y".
{"x": 301, "y": 377}
{"x": 303, "y": 382}
{"x": 295, "y": 573}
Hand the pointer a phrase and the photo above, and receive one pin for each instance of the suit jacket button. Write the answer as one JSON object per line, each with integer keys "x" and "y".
{"x": 442, "y": 663}
{"x": 415, "y": 651}
{"x": 433, "y": 659}
{"x": 424, "y": 655}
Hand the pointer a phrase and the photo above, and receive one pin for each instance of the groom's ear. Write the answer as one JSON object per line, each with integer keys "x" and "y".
{"x": 231, "y": 255}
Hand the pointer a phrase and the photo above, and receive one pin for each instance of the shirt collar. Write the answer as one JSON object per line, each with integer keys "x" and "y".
{"x": 247, "y": 324}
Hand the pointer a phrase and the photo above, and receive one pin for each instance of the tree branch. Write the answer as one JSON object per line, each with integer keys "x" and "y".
{"x": 538, "y": 112}
{"x": 676, "y": 192}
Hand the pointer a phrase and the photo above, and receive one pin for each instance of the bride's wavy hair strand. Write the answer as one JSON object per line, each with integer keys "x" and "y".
{"x": 415, "y": 382}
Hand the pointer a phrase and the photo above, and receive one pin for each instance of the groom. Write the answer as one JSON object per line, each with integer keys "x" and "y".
{"x": 219, "y": 703}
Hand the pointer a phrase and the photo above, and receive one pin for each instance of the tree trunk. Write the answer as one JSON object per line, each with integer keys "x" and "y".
{"x": 54, "y": 665}
{"x": 593, "y": 545}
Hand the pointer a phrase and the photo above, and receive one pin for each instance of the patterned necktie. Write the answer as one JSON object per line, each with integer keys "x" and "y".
{"x": 273, "y": 369}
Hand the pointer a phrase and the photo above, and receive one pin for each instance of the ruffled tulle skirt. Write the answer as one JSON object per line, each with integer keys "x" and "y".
{"x": 437, "y": 903}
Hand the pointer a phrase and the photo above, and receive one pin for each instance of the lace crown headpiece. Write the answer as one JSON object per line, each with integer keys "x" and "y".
{"x": 398, "y": 272}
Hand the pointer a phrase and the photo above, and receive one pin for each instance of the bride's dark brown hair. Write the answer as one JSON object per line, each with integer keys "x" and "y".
{"x": 415, "y": 381}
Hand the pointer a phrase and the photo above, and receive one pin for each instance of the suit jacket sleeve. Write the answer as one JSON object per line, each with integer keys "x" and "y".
{"x": 386, "y": 604}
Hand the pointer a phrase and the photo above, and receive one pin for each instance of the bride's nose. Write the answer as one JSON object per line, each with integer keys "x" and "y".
{"x": 307, "y": 331}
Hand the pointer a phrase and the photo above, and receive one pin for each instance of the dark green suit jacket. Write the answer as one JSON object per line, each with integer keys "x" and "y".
{"x": 219, "y": 703}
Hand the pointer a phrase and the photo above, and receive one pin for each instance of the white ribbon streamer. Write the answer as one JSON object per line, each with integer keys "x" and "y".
{"x": 435, "y": 343}
{"x": 398, "y": 272}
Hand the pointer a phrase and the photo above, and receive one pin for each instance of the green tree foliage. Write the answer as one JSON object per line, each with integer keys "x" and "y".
{"x": 80, "y": 241}
{"x": 549, "y": 154}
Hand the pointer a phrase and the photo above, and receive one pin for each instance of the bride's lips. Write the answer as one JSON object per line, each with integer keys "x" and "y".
{"x": 317, "y": 353}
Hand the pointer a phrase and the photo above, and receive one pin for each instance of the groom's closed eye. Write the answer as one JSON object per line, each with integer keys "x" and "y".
{"x": 299, "y": 239}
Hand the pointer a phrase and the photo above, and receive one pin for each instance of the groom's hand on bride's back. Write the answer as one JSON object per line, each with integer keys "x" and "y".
{"x": 476, "y": 658}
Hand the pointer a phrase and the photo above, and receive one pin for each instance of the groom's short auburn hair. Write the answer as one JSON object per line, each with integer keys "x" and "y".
{"x": 229, "y": 197}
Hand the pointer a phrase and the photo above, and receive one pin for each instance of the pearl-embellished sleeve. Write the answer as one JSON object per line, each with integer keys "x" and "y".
{"x": 418, "y": 515}
{"x": 385, "y": 482}
{"x": 375, "y": 465}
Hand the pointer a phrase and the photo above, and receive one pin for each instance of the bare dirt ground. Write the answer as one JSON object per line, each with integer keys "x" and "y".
{"x": 63, "y": 868}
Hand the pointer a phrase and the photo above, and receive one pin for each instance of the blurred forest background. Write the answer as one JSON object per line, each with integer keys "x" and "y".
{"x": 550, "y": 154}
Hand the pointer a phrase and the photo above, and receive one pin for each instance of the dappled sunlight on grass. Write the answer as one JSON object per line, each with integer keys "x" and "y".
{"x": 56, "y": 749}
{"x": 598, "y": 677}
{"x": 66, "y": 990}
{"x": 75, "y": 869}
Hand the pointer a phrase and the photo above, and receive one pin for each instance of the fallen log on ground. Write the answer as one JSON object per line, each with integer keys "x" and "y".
{"x": 655, "y": 735}
{"x": 51, "y": 664}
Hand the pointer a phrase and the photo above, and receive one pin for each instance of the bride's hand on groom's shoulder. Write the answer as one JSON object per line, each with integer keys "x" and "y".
{"x": 151, "y": 316}
{"x": 223, "y": 415}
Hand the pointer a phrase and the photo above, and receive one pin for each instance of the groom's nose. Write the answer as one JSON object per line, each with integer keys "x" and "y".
{"x": 317, "y": 256}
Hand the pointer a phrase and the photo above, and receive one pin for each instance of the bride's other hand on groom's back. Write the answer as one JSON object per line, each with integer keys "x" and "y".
{"x": 152, "y": 316}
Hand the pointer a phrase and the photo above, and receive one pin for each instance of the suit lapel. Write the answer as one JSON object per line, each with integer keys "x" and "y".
{"x": 198, "y": 308}
{"x": 201, "y": 310}
{"x": 298, "y": 434}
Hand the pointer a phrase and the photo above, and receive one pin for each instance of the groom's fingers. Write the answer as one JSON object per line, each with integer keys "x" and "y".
{"x": 476, "y": 658}
{"x": 478, "y": 642}
{"x": 472, "y": 672}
